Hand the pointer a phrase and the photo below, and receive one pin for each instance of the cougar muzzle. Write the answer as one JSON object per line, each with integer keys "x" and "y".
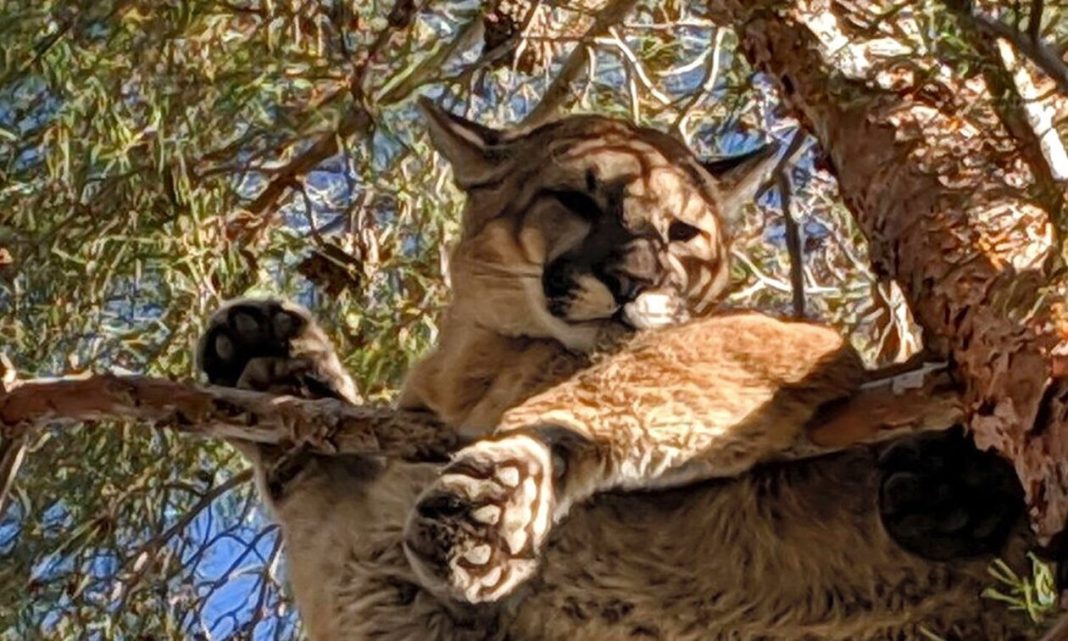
{"x": 630, "y": 284}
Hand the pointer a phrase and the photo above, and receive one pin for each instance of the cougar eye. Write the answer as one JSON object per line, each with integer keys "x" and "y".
{"x": 580, "y": 203}
{"x": 680, "y": 232}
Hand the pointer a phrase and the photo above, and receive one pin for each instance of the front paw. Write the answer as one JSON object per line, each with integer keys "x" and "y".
{"x": 272, "y": 346}
{"x": 477, "y": 533}
{"x": 941, "y": 498}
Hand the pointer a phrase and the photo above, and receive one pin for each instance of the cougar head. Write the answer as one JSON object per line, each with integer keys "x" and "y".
{"x": 588, "y": 221}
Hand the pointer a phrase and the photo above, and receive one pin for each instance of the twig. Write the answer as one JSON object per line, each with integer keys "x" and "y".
{"x": 137, "y": 564}
{"x": 608, "y": 17}
{"x": 708, "y": 83}
{"x": 767, "y": 280}
{"x": 509, "y": 45}
{"x": 430, "y": 67}
{"x": 355, "y": 120}
{"x": 793, "y": 232}
{"x": 908, "y": 399}
{"x": 1040, "y": 53}
{"x": 1034, "y": 23}
{"x": 12, "y": 451}
{"x": 1039, "y": 116}
{"x": 631, "y": 59}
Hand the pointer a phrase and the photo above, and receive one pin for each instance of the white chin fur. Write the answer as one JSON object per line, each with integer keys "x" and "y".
{"x": 652, "y": 310}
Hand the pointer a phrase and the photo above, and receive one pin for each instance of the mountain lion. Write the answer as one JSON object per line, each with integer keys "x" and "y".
{"x": 574, "y": 233}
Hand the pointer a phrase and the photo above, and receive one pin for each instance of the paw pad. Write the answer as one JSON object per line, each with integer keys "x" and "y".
{"x": 477, "y": 533}
{"x": 245, "y": 330}
{"x": 941, "y": 498}
{"x": 272, "y": 346}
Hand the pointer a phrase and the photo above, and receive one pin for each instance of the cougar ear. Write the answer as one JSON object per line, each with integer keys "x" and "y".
{"x": 468, "y": 146}
{"x": 740, "y": 178}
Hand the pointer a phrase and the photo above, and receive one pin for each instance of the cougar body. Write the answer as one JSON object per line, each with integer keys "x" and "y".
{"x": 574, "y": 236}
{"x": 787, "y": 552}
{"x": 591, "y": 235}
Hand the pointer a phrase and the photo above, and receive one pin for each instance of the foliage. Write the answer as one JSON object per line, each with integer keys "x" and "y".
{"x": 1036, "y": 595}
{"x": 157, "y": 158}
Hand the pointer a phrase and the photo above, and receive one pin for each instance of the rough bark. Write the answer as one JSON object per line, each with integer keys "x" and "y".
{"x": 951, "y": 211}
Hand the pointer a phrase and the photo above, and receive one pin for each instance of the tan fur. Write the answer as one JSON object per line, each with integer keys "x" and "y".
{"x": 598, "y": 203}
{"x": 499, "y": 343}
{"x": 721, "y": 393}
{"x": 784, "y": 552}
{"x": 474, "y": 375}
{"x": 710, "y": 398}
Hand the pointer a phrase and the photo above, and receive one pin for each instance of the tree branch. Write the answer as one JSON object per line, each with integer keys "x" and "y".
{"x": 1040, "y": 53}
{"x": 893, "y": 400}
{"x": 954, "y": 220}
{"x": 910, "y": 397}
{"x": 327, "y": 425}
{"x": 794, "y": 245}
{"x": 12, "y": 451}
{"x": 355, "y": 120}
{"x": 259, "y": 212}
{"x": 608, "y": 17}
{"x": 1034, "y": 22}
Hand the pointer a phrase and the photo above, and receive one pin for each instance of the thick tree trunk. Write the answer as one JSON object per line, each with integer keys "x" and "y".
{"x": 954, "y": 210}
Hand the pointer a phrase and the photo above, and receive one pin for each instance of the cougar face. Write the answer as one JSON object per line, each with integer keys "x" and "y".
{"x": 588, "y": 222}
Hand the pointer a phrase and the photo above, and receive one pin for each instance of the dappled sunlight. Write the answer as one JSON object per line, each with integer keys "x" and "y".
{"x": 157, "y": 159}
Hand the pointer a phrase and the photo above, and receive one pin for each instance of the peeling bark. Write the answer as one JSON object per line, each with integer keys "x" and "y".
{"x": 950, "y": 209}
{"x": 327, "y": 425}
{"x": 895, "y": 401}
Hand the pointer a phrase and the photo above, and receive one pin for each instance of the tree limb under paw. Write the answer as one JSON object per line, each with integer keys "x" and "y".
{"x": 921, "y": 399}
{"x": 327, "y": 426}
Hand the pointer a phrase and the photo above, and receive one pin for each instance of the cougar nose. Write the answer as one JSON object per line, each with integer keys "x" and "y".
{"x": 633, "y": 271}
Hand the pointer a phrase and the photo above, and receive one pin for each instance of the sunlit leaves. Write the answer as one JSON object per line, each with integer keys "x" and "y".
{"x": 137, "y": 138}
